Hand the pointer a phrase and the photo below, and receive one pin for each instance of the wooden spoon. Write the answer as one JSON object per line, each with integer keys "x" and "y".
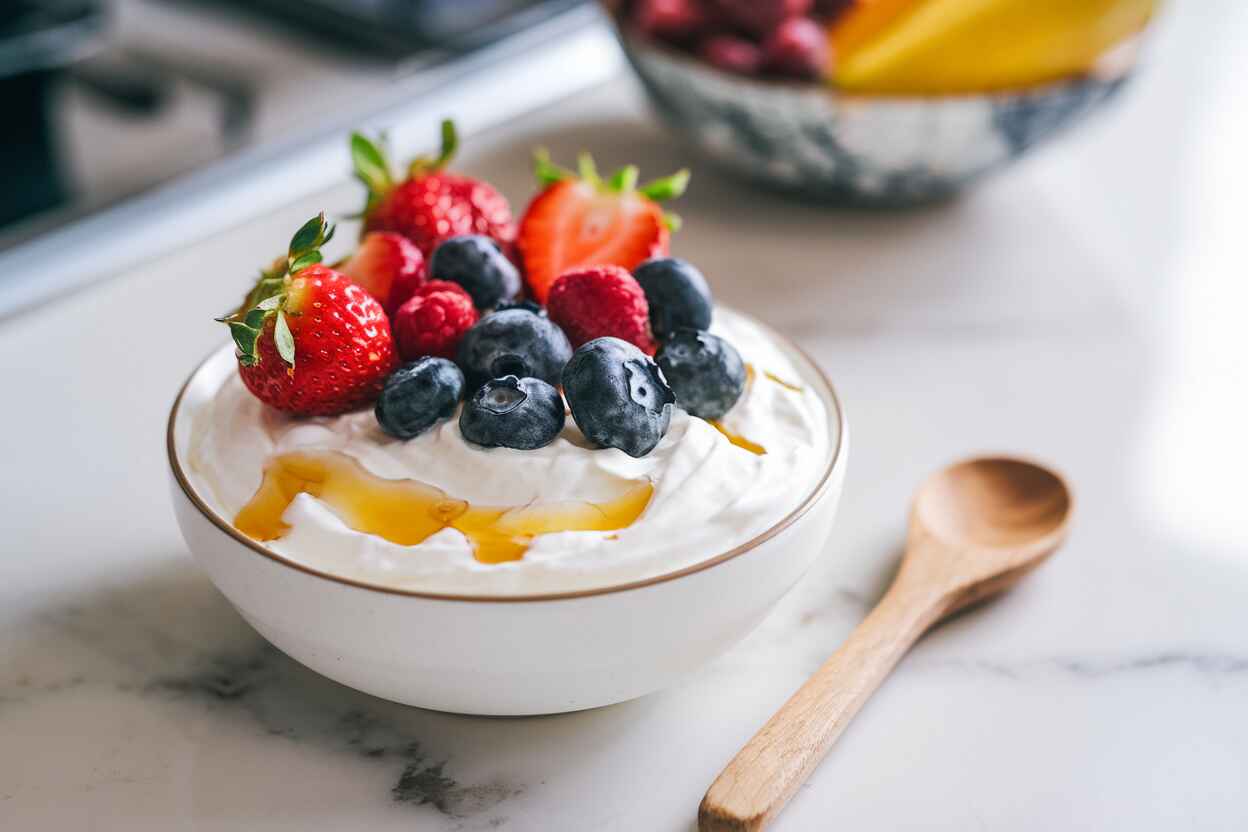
{"x": 975, "y": 529}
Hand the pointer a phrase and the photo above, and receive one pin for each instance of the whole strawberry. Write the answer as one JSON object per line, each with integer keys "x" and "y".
{"x": 388, "y": 266}
{"x": 429, "y": 204}
{"x": 310, "y": 341}
{"x": 601, "y": 300}
{"x": 580, "y": 219}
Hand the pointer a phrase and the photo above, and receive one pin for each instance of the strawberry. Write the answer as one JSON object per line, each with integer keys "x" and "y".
{"x": 309, "y": 340}
{"x": 430, "y": 204}
{"x": 388, "y": 266}
{"x": 432, "y": 322}
{"x": 582, "y": 220}
{"x": 601, "y": 300}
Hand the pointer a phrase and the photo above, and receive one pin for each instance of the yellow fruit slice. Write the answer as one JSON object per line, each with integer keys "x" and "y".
{"x": 951, "y": 46}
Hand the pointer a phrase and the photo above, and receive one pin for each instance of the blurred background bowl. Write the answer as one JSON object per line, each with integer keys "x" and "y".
{"x": 887, "y": 151}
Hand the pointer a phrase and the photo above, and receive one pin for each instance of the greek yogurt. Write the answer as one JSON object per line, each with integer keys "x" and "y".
{"x": 710, "y": 495}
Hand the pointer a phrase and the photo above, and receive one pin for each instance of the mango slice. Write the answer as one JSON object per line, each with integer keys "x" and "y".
{"x": 954, "y": 46}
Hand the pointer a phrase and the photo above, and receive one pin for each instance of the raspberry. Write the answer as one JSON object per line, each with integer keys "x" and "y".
{"x": 432, "y": 322}
{"x": 431, "y": 286}
{"x": 601, "y": 300}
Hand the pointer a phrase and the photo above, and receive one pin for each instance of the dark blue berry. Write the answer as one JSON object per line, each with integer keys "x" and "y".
{"x": 479, "y": 265}
{"x": 705, "y": 371}
{"x": 521, "y": 413}
{"x": 528, "y": 305}
{"x": 418, "y": 395}
{"x": 617, "y": 396}
{"x": 677, "y": 294}
{"x": 513, "y": 342}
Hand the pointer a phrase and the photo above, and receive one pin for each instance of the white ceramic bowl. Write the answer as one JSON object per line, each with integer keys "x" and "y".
{"x": 534, "y": 654}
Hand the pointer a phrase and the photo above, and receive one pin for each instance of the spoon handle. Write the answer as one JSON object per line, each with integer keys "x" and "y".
{"x": 759, "y": 781}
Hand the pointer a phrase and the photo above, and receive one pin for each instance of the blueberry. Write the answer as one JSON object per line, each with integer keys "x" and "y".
{"x": 617, "y": 395}
{"x": 677, "y": 294}
{"x": 478, "y": 264}
{"x": 521, "y": 413}
{"x": 418, "y": 395}
{"x": 513, "y": 342}
{"x": 706, "y": 372}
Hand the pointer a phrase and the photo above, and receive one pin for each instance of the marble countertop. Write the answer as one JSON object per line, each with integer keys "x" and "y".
{"x": 1085, "y": 307}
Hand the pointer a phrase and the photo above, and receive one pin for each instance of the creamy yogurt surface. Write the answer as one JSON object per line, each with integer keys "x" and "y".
{"x": 709, "y": 494}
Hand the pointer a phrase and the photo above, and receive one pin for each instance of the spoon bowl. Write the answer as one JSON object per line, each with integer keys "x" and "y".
{"x": 993, "y": 502}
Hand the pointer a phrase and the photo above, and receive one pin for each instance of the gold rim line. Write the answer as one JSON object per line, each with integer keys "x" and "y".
{"x": 789, "y": 519}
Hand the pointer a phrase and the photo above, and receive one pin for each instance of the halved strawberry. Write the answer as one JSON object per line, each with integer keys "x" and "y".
{"x": 581, "y": 219}
{"x": 308, "y": 339}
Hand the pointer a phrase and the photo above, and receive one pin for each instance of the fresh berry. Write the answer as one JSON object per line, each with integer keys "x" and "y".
{"x": 388, "y": 266}
{"x": 705, "y": 371}
{"x": 592, "y": 302}
{"x": 580, "y": 220}
{"x": 430, "y": 286}
{"x": 479, "y": 265}
{"x": 521, "y": 413}
{"x": 432, "y": 323}
{"x": 760, "y": 17}
{"x": 527, "y": 305}
{"x": 429, "y": 205}
{"x": 513, "y": 342}
{"x": 677, "y": 294}
{"x": 309, "y": 340}
{"x": 732, "y": 54}
{"x": 798, "y": 48}
{"x": 419, "y": 395}
{"x": 674, "y": 20}
{"x": 617, "y": 396}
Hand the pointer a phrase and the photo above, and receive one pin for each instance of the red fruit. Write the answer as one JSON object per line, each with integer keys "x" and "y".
{"x": 309, "y": 340}
{"x": 441, "y": 286}
{"x": 582, "y": 220}
{"x": 732, "y": 54}
{"x": 432, "y": 322}
{"x": 601, "y": 300}
{"x": 759, "y": 17}
{"x": 677, "y": 20}
{"x": 388, "y": 266}
{"x": 430, "y": 204}
{"x": 797, "y": 48}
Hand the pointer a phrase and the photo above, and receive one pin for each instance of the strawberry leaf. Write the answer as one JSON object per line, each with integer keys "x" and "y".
{"x": 450, "y": 143}
{"x": 546, "y": 171}
{"x": 283, "y": 339}
{"x": 672, "y": 221}
{"x": 371, "y": 167}
{"x": 586, "y": 169}
{"x": 308, "y": 237}
{"x": 311, "y": 258}
{"x": 423, "y": 165}
{"x": 245, "y": 339}
{"x": 624, "y": 179}
{"x": 669, "y": 187}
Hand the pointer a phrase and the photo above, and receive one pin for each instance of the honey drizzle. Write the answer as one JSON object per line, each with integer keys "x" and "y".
{"x": 407, "y": 511}
{"x": 737, "y": 439}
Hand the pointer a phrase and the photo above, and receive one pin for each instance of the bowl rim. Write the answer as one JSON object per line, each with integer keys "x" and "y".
{"x": 1114, "y": 64}
{"x": 835, "y": 460}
